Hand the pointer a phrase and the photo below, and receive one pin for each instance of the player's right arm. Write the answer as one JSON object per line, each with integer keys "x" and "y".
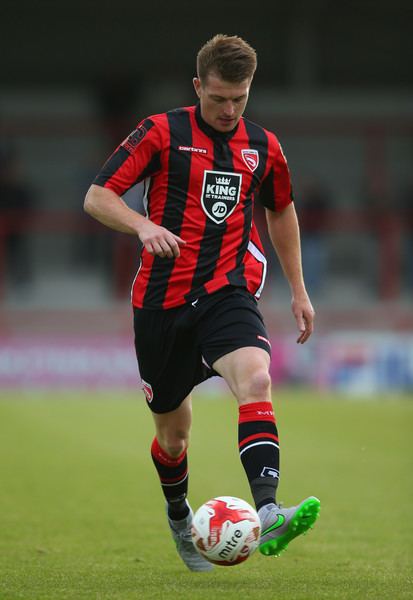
{"x": 137, "y": 157}
{"x": 106, "y": 206}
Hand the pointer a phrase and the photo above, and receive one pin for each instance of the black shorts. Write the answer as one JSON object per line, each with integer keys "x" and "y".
{"x": 177, "y": 347}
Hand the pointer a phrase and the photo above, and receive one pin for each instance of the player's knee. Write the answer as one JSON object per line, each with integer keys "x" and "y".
{"x": 174, "y": 444}
{"x": 258, "y": 387}
{"x": 175, "y": 449}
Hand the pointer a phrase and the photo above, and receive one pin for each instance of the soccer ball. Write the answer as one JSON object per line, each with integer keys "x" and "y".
{"x": 226, "y": 530}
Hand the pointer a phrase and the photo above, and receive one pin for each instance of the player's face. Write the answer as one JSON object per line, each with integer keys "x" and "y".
{"x": 222, "y": 103}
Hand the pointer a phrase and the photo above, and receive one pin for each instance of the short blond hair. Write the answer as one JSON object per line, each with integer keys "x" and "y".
{"x": 229, "y": 57}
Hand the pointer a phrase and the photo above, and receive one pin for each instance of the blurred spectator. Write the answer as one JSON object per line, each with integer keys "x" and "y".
{"x": 16, "y": 202}
{"x": 312, "y": 208}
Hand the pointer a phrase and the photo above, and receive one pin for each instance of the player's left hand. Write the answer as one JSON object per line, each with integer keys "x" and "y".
{"x": 304, "y": 314}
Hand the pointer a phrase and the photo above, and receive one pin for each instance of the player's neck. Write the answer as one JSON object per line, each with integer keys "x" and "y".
{"x": 209, "y": 130}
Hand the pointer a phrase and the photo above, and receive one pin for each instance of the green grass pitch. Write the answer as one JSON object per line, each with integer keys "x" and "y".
{"x": 82, "y": 515}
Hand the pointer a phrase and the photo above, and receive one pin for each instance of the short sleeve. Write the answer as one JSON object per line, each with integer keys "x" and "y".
{"x": 275, "y": 192}
{"x": 137, "y": 157}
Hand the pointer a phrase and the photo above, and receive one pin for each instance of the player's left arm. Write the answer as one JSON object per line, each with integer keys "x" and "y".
{"x": 285, "y": 237}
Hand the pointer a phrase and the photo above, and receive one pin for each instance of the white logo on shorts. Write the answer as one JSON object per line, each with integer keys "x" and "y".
{"x": 147, "y": 390}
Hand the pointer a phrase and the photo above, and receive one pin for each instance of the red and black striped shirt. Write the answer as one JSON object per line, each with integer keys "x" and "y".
{"x": 201, "y": 185}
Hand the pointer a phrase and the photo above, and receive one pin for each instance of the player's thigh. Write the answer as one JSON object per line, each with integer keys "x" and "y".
{"x": 167, "y": 358}
{"x": 234, "y": 341}
{"x": 173, "y": 428}
{"x": 246, "y": 371}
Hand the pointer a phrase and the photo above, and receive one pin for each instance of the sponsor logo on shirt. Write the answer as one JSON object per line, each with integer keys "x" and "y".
{"x": 220, "y": 194}
{"x": 251, "y": 158}
{"x": 193, "y": 149}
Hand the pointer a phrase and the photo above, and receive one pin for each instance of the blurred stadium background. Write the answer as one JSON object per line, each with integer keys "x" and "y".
{"x": 335, "y": 84}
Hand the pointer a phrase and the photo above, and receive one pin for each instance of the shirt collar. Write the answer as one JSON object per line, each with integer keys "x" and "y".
{"x": 210, "y": 131}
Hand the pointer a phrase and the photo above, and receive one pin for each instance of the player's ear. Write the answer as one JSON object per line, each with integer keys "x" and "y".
{"x": 197, "y": 85}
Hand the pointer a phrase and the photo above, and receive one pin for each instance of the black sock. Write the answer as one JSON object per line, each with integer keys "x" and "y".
{"x": 259, "y": 450}
{"x": 173, "y": 475}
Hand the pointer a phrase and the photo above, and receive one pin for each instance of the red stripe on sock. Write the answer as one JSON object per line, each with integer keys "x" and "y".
{"x": 257, "y": 436}
{"x": 256, "y": 411}
{"x": 163, "y": 457}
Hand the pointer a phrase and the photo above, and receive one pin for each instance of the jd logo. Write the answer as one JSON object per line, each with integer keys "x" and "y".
{"x": 220, "y": 194}
{"x": 219, "y": 209}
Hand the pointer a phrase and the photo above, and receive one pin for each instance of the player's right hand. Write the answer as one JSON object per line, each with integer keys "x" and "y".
{"x": 159, "y": 241}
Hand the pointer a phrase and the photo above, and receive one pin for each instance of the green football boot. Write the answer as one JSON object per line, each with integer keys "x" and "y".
{"x": 279, "y": 526}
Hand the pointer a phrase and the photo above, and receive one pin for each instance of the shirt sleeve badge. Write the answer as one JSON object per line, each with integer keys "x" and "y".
{"x": 134, "y": 139}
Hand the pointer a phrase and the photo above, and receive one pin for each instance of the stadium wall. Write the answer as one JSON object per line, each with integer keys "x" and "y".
{"x": 353, "y": 362}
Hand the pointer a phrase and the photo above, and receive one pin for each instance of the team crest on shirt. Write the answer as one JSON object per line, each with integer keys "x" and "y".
{"x": 251, "y": 158}
{"x": 220, "y": 194}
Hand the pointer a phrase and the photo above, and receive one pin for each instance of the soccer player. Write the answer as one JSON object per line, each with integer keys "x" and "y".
{"x": 202, "y": 269}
